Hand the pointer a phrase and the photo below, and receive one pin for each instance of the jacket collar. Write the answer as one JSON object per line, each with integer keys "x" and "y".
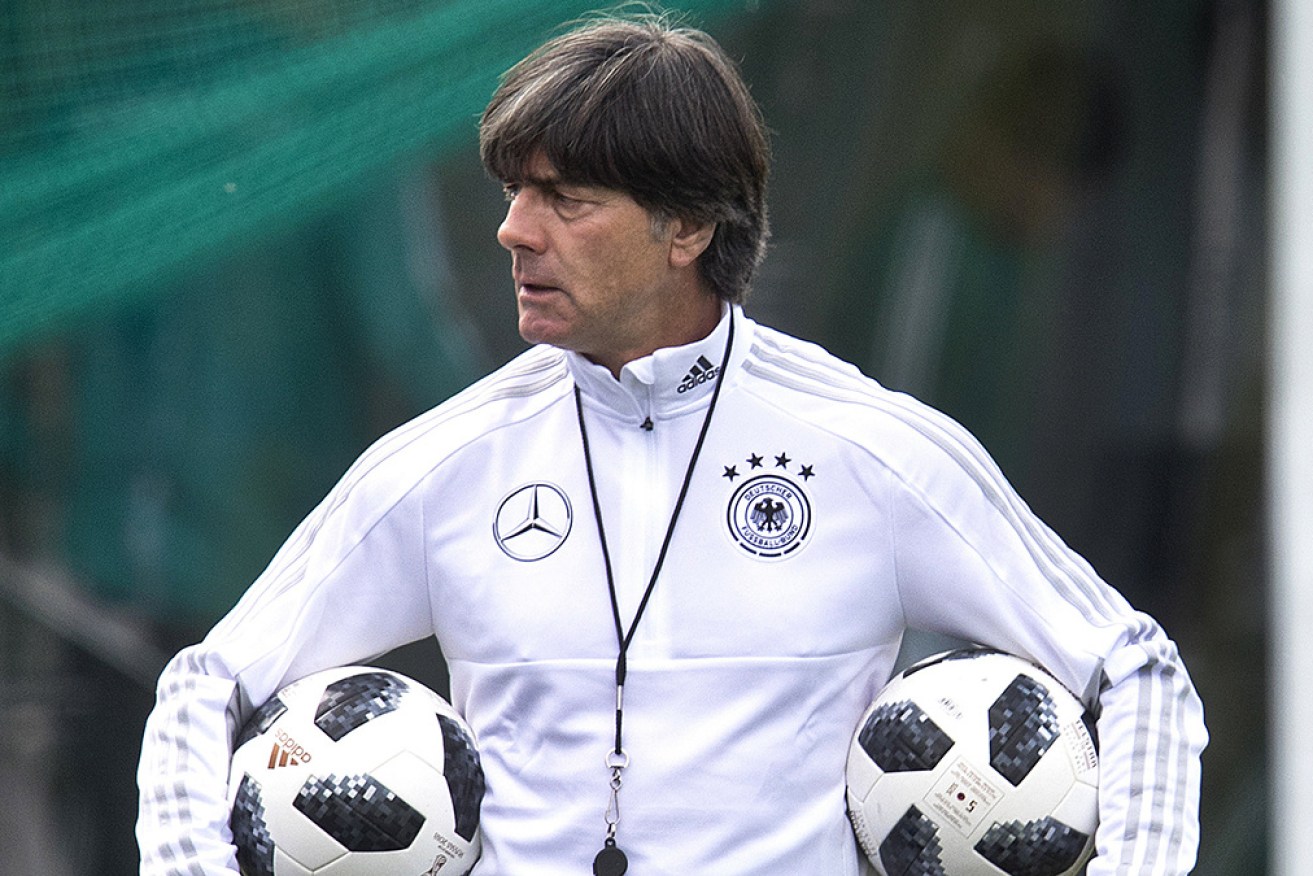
{"x": 669, "y": 381}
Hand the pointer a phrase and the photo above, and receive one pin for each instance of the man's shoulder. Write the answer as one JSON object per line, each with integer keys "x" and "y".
{"x": 521, "y": 388}
{"x": 517, "y": 391}
{"x": 791, "y": 364}
{"x": 530, "y": 375}
{"x": 439, "y": 441}
{"x": 803, "y": 381}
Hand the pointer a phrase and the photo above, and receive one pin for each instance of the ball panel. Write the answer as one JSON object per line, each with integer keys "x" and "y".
{"x": 900, "y": 737}
{"x": 255, "y": 847}
{"x": 1045, "y": 847}
{"x": 1080, "y": 806}
{"x": 261, "y": 721}
{"x": 284, "y": 865}
{"x": 359, "y": 812}
{"x": 1023, "y": 725}
{"x": 349, "y": 702}
{"x": 464, "y": 774}
{"x": 912, "y": 847}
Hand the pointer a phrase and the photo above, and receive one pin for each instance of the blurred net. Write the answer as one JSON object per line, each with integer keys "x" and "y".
{"x": 138, "y": 138}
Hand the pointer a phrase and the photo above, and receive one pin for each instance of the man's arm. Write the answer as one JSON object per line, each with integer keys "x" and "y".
{"x": 348, "y": 585}
{"x": 182, "y": 824}
{"x": 974, "y": 562}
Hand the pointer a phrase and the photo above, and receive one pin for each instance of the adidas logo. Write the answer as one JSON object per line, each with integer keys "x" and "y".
{"x": 700, "y": 373}
{"x": 287, "y": 752}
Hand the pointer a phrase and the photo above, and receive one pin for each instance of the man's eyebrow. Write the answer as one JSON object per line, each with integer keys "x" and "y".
{"x": 543, "y": 182}
{"x": 537, "y": 181}
{"x": 552, "y": 182}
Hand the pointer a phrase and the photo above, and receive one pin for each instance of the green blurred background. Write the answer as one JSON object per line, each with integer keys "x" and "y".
{"x": 240, "y": 239}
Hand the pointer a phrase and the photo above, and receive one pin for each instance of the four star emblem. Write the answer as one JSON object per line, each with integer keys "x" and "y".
{"x": 782, "y": 460}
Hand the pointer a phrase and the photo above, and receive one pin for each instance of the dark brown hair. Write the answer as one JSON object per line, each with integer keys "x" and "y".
{"x": 654, "y": 110}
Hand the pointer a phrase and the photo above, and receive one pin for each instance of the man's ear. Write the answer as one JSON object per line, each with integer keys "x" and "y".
{"x": 689, "y": 240}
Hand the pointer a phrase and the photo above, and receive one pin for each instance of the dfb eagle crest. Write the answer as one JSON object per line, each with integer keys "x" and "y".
{"x": 769, "y": 514}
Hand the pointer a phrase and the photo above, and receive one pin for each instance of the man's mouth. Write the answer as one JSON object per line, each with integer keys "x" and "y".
{"x": 532, "y": 288}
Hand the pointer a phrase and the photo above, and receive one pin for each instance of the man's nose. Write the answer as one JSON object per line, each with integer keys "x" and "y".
{"x": 522, "y": 227}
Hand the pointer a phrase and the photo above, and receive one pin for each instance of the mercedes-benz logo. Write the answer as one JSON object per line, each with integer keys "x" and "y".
{"x": 532, "y": 521}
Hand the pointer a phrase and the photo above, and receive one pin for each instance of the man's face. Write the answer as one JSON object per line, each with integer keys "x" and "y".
{"x": 592, "y": 273}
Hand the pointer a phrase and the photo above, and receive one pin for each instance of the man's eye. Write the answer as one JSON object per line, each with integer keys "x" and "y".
{"x": 510, "y": 190}
{"x": 566, "y": 204}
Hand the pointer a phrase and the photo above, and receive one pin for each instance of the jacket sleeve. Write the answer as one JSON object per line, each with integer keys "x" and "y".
{"x": 974, "y": 562}
{"x": 347, "y": 586}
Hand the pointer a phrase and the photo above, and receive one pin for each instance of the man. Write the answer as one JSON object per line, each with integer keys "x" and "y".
{"x": 728, "y": 524}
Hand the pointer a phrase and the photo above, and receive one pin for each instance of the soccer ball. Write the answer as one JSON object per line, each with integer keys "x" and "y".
{"x": 974, "y": 762}
{"x": 355, "y": 771}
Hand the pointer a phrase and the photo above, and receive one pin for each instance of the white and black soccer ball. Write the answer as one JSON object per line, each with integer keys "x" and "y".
{"x": 974, "y": 763}
{"x": 356, "y": 771}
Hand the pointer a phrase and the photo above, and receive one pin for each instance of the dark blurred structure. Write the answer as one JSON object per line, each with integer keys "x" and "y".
{"x": 1047, "y": 220}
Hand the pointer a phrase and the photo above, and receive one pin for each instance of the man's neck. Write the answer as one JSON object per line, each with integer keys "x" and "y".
{"x": 686, "y": 325}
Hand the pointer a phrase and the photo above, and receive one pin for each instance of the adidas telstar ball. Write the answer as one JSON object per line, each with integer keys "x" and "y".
{"x": 975, "y": 762}
{"x": 356, "y": 771}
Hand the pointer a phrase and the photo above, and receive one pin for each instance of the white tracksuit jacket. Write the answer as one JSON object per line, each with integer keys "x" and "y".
{"x": 763, "y": 642}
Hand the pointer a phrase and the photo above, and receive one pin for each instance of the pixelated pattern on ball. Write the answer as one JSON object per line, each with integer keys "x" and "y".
{"x": 1023, "y": 724}
{"x": 350, "y": 702}
{"x": 900, "y": 738}
{"x": 261, "y": 721}
{"x": 464, "y": 773}
{"x": 912, "y": 847}
{"x": 1038, "y": 848}
{"x": 255, "y": 847}
{"x": 948, "y": 657}
{"x": 359, "y": 812}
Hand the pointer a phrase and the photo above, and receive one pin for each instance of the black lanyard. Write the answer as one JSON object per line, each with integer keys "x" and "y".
{"x": 611, "y": 860}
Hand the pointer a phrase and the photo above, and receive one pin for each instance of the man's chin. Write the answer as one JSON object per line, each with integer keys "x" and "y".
{"x": 542, "y": 331}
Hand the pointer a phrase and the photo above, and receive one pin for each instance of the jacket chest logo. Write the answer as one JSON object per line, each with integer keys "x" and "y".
{"x": 769, "y": 515}
{"x": 532, "y": 521}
